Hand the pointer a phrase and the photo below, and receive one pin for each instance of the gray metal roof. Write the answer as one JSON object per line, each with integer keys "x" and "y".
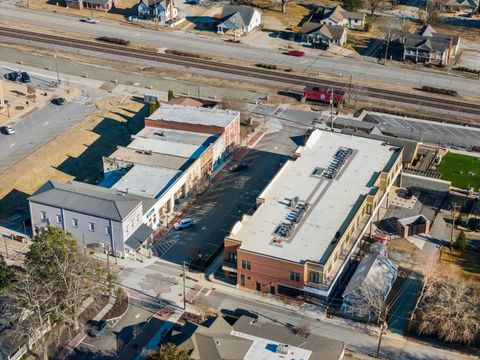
{"x": 139, "y": 236}
{"x": 87, "y": 199}
{"x": 236, "y": 16}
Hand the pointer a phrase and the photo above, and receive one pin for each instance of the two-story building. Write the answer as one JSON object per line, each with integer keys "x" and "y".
{"x": 338, "y": 16}
{"x": 93, "y": 215}
{"x": 312, "y": 216}
{"x": 163, "y": 11}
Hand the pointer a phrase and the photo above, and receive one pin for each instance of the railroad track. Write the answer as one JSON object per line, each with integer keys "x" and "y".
{"x": 268, "y": 75}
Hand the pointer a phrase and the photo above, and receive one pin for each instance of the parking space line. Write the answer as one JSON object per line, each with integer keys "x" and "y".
{"x": 92, "y": 346}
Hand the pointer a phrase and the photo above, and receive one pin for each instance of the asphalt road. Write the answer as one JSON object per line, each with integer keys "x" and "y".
{"x": 214, "y": 217}
{"x": 196, "y": 43}
{"x": 114, "y": 339}
{"x": 355, "y": 335}
{"x": 38, "y": 129}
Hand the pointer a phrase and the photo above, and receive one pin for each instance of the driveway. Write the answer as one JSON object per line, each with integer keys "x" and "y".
{"x": 114, "y": 339}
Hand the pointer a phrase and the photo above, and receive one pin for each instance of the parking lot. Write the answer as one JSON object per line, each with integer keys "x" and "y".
{"x": 235, "y": 194}
{"x": 428, "y": 131}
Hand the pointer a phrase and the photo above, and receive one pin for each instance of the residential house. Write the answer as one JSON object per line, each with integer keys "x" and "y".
{"x": 93, "y": 215}
{"x": 340, "y": 17}
{"x": 413, "y": 225}
{"x": 249, "y": 339}
{"x": 462, "y": 5}
{"x": 240, "y": 19}
{"x": 162, "y": 11}
{"x": 374, "y": 276}
{"x": 315, "y": 33}
{"x": 102, "y": 5}
{"x": 430, "y": 46}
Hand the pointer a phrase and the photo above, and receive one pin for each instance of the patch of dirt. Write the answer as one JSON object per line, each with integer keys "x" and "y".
{"x": 120, "y": 306}
{"x": 75, "y": 154}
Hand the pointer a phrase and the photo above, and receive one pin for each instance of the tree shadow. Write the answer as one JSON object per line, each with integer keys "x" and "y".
{"x": 14, "y": 210}
{"x": 203, "y": 23}
{"x": 87, "y": 167}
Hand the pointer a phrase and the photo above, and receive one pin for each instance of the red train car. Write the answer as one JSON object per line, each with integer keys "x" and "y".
{"x": 314, "y": 93}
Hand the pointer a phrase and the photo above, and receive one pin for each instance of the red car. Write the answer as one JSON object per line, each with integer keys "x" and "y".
{"x": 297, "y": 53}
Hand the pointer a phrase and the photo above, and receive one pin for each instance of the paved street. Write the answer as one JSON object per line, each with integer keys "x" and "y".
{"x": 197, "y": 43}
{"x": 38, "y": 129}
{"x": 114, "y": 339}
{"x": 214, "y": 219}
{"x": 429, "y": 131}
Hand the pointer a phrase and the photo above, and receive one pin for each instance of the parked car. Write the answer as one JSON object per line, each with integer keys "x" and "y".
{"x": 242, "y": 165}
{"x": 58, "y": 101}
{"x": 25, "y": 78}
{"x": 98, "y": 329}
{"x": 297, "y": 53}
{"x": 90, "y": 20}
{"x": 8, "y": 130}
{"x": 183, "y": 224}
{"x": 244, "y": 312}
{"x": 13, "y": 76}
{"x": 320, "y": 45}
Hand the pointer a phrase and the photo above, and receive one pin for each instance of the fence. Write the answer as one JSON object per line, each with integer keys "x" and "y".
{"x": 33, "y": 337}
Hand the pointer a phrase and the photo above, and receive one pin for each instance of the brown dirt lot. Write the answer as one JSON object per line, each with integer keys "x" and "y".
{"x": 118, "y": 13}
{"x": 75, "y": 154}
{"x": 464, "y": 263}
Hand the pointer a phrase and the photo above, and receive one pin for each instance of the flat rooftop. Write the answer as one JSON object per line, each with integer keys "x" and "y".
{"x": 167, "y": 147}
{"x": 194, "y": 115}
{"x": 153, "y": 159}
{"x": 177, "y": 136}
{"x": 147, "y": 180}
{"x": 331, "y": 201}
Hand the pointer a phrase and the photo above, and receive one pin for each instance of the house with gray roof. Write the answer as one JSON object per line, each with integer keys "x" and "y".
{"x": 240, "y": 19}
{"x": 94, "y": 215}
{"x": 430, "y": 46}
{"x": 340, "y": 17}
{"x": 373, "y": 279}
{"x": 162, "y": 11}
{"x": 314, "y": 33}
{"x": 250, "y": 339}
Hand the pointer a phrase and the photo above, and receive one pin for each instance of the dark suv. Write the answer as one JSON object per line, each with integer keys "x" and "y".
{"x": 13, "y": 76}
{"x": 25, "y": 78}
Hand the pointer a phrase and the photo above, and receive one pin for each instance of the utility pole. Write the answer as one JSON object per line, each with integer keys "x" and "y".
{"x": 454, "y": 213}
{"x": 331, "y": 110}
{"x": 6, "y": 248}
{"x": 383, "y": 327}
{"x": 56, "y": 66}
{"x": 350, "y": 90}
{"x": 386, "y": 48}
{"x": 107, "y": 247}
{"x": 184, "y": 289}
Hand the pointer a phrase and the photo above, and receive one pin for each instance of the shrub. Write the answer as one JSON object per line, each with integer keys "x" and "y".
{"x": 465, "y": 69}
{"x": 439, "y": 90}
{"x": 113, "y": 40}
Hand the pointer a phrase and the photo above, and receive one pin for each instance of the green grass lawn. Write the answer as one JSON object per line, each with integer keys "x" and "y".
{"x": 456, "y": 168}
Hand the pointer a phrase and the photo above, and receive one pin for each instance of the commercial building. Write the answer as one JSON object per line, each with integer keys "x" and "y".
{"x": 199, "y": 120}
{"x": 165, "y": 165}
{"x": 312, "y": 216}
{"x": 252, "y": 340}
{"x": 94, "y": 215}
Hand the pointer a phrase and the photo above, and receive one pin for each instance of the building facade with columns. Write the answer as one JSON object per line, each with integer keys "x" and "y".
{"x": 312, "y": 217}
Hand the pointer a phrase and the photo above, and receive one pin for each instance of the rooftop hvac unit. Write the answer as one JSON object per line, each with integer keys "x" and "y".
{"x": 150, "y": 98}
{"x": 282, "y": 349}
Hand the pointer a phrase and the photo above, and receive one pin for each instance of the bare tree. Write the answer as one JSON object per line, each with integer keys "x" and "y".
{"x": 232, "y": 103}
{"x": 450, "y": 311}
{"x": 203, "y": 306}
{"x": 374, "y": 5}
{"x": 433, "y": 10}
{"x": 391, "y": 29}
{"x": 303, "y": 330}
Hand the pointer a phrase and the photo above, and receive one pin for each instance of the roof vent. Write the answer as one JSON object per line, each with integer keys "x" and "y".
{"x": 282, "y": 349}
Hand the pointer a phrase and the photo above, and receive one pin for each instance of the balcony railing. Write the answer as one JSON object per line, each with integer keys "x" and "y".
{"x": 229, "y": 266}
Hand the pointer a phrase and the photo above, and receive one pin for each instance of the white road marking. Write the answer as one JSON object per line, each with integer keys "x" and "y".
{"x": 92, "y": 346}
{"x": 137, "y": 316}
{"x": 204, "y": 228}
{"x": 13, "y": 144}
{"x": 208, "y": 292}
{"x": 45, "y": 123}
